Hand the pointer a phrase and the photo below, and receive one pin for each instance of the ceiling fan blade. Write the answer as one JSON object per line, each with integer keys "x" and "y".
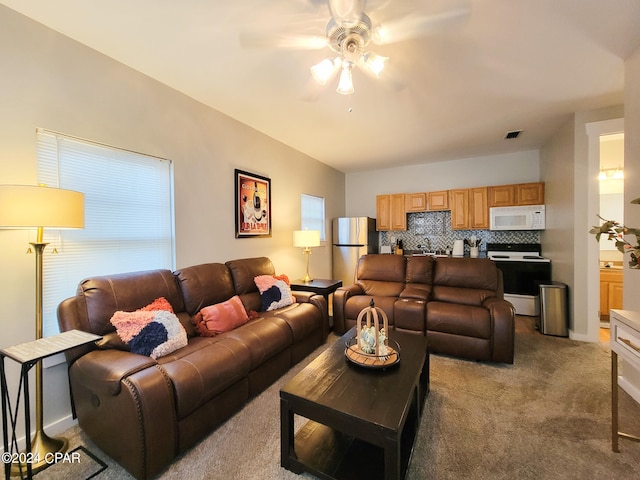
{"x": 346, "y": 12}
{"x": 292, "y": 42}
{"x": 412, "y": 26}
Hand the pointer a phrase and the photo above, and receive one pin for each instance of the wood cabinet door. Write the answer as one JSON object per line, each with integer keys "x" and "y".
{"x": 530, "y": 194}
{"x": 459, "y": 202}
{"x": 398, "y": 212}
{"x": 416, "y": 202}
{"x": 604, "y": 300}
{"x": 478, "y": 208}
{"x": 502, "y": 196}
{"x": 438, "y": 200}
{"x": 615, "y": 295}
{"x": 383, "y": 213}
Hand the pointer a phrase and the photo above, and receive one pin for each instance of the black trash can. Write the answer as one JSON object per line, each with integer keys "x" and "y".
{"x": 553, "y": 309}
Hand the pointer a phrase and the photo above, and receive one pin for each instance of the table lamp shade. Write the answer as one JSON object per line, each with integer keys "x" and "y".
{"x": 306, "y": 238}
{"x": 27, "y": 206}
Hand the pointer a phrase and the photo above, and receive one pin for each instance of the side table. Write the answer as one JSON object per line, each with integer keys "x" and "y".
{"x": 625, "y": 343}
{"x": 28, "y": 355}
{"x": 320, "y": 286}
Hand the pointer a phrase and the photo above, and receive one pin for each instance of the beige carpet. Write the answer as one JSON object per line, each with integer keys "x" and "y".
{"x": 545, "y": 417}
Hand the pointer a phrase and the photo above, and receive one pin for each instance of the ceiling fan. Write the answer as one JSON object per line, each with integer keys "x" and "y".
{"x": 350, "y": 33}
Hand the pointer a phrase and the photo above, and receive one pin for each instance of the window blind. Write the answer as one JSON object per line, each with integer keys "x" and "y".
{"x": 312, "y": 209}
{"x": 129, "y": 221}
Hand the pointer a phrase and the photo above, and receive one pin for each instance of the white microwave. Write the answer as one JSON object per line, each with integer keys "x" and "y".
{"x": 524, "y": 217}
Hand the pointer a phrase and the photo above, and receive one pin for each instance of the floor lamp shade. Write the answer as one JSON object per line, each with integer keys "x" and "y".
{"x": 27, "y": 206}
{"x": 23, "y": 207}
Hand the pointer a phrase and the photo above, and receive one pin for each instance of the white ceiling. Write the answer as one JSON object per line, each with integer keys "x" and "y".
{"x": 454, "y": 91}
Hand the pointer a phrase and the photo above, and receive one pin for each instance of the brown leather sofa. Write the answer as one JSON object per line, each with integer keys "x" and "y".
{"x": 145, "y": 412}
{"x": 458, "y": 303}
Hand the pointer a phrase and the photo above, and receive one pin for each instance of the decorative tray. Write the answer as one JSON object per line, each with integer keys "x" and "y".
{"x": 358, "y": 357}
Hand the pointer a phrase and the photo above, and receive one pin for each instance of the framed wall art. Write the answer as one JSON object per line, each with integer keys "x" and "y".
{"x": 253, "y": 205}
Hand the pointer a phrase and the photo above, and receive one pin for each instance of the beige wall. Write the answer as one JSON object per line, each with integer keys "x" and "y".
{"x": 556, "y": 166}
{"x": 631, "y": 299}
{"x": 53, "y": 82}
{"x": 362, "y": 187}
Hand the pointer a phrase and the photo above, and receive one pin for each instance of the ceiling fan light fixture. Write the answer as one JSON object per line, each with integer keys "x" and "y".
{"x": 375, "y": 62}
{"x": 324, "y": 70}
{"x": 345, "y": 85}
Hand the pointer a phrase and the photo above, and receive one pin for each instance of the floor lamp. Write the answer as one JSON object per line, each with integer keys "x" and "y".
{"x": 306, "y": 239}
{"x": 24, "y": 207}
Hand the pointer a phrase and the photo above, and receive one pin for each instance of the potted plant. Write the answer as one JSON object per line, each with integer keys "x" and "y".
{"x": 616, "y": 232}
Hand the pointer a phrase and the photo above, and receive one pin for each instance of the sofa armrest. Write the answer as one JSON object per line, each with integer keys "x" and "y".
{"x": 340, "y": 298}
{"x": 125, "y": 404}
{"x": 503, "y": 319}
{"x": 103, "y": 370}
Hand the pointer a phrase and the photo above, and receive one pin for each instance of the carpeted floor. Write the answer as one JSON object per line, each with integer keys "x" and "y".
{"x": 545, "y": 417}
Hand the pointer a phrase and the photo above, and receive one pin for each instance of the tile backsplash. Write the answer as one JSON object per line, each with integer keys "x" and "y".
{"x": 433, "y": 229}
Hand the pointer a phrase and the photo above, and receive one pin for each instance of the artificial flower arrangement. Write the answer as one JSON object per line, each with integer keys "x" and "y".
{"x": 616, "y": 232}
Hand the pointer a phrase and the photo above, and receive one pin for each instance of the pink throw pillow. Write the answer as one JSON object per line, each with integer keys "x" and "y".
{"x": 158, "y": 304}
{"x": 221, "y": 317}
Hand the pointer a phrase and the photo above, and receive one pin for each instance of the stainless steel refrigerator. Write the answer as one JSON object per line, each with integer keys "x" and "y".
{"x": 352, "y": 238}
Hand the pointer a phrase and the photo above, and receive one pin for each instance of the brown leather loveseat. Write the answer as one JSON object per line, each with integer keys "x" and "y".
{"x": 458, "y": 303}
{"x": 144, "y": 412}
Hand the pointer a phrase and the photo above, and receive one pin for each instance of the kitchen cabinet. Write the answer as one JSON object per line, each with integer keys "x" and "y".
{"x": 438, "y": 200}
{"x": 516, "y": 194}
{"x": 530, "y": 193}
{"x": 502, "y": 196}
{"x": 416, "y": 202}
{"x": 469, "y": 208}
{"x": 610, "y": 291}
{"x": 479, "y": 208}
{"x": 391, "y": 212}
{"x": 459, "y": 202}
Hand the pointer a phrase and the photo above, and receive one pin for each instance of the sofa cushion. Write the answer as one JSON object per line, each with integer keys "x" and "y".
{"x": 381, "y": 275}
{"x": 205, "y": 368}
{"x": 357, "y": 303}
{"x": 463, "y": 320}
{"x": 303, "y": 319}
{"x": 476, "y": 273}
{"x": 204, "y": 285}
{"x": 103, "y": 296}
{"x": 264, "y": 338}
{"x": 221, "y": 317}
{"x": 275, "y": 291}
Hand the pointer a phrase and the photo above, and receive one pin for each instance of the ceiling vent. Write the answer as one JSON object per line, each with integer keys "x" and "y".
{"x": 512, "y": 134}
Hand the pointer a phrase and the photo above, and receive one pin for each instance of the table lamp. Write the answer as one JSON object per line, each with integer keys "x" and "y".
{"x": 306, "y": 239}
{"x": 25, "y": 207}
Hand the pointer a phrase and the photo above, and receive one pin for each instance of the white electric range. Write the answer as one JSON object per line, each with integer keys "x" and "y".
{"x": 523, "y": 270}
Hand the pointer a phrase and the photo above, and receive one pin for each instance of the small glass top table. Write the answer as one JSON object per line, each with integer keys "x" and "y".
{"x": 27, "y": 355}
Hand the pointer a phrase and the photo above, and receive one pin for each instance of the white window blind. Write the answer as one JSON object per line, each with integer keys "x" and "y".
{"x": 312, "y": 209}
{"x": 128, "y": 215}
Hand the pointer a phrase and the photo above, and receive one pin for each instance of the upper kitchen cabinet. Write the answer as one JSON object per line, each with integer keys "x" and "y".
{"x": 516, "y": 194}
{"x": 438, "y": 200}
{"x": 459, "y": 202}
{"x": 391, "y": 212}
{"x": 479, "y": 208}
{"x": 469, "y": 208}
{"x": 502, "y": 196}
{"x": 530, "y": 194}
{"x": 416, "y": 202}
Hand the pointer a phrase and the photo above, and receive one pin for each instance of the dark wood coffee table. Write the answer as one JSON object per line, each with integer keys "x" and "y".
{"x": 362, "y": 422}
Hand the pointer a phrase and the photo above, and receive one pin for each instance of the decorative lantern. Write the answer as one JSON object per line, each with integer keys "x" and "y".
{"x": 370, "y": 347}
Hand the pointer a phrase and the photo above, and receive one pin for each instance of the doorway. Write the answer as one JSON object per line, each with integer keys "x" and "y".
{"x": 611, "y": 184}
{"x": 596, "y": 131}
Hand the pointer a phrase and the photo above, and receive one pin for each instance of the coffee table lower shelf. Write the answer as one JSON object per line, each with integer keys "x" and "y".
{"x": 330, "y": 454}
